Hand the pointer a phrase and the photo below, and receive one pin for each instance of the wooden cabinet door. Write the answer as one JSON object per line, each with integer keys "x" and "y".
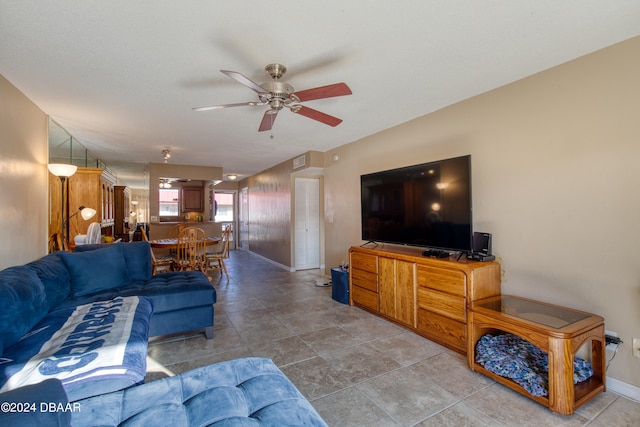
{"x": 397, "y": 290}
{"x": 387, "y": 283}
{"x": 406, "y": 292}
{"x": 192, "y": 199}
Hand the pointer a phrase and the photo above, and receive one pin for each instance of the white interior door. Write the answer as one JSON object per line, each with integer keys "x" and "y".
{"x": 243, "y": 219}
{"x": 307, "y": 223}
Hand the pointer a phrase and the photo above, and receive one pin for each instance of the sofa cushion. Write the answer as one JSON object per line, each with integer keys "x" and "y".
{"x": 54, "y": 277}
{"x": 170, "y": 291}
{"x": 240, "y": 392}
{"x": 96, "y": 270}
{"x": 137, "y": 257}
{"x": 23, "y": 303}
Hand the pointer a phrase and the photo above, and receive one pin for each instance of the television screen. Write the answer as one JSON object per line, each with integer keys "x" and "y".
{"x": 422, "y": 205}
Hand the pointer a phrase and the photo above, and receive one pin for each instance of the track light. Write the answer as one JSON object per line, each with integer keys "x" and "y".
{"x": 166, "y": 154}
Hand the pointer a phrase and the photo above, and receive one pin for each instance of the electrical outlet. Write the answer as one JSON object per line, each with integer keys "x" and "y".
{"x": 636, "y": 347}
{"x": 610, "y": 346}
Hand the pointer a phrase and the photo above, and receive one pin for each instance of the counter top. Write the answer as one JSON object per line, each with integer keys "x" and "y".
{"x": 182, "y": 222}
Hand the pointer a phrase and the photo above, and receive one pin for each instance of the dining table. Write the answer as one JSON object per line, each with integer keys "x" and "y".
{"x": 172, "y": 243}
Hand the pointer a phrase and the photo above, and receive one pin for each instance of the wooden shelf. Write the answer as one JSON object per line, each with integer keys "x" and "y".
{"x": 561, "y": 341}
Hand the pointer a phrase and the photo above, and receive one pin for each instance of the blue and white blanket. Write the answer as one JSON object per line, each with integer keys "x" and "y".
{"x": 512, "y": 357}
{"x": 92, "y": 348}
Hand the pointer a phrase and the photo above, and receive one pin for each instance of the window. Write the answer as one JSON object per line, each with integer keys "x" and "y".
{"x": 169, "y": 205}
{"x": 223, "y": 207}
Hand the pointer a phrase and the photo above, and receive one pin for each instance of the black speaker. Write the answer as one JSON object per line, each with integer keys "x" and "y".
{"x": 482, "y": 242}
{"x": 481, "y": 247}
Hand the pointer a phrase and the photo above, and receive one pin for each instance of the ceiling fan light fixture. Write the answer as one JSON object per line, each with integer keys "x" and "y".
{"x": 294, "y": 98}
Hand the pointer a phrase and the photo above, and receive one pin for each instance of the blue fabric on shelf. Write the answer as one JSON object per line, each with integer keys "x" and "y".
{"x": 512, "y": 357}
{"x": 96, "y": 270}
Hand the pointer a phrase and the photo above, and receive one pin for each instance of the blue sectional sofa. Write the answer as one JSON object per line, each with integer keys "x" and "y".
{"x": 240, "y": 392}
{"x": 85, "y": 317}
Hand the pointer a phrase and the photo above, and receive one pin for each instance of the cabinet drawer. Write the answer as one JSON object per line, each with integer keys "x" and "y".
{"x": 364, "y": 279}
{"x": 450, "y": 281}
{"x": 364, "y": 297}
{"x": 443, "y": 329}
{"x": 364, "y": 262}
{"x": 442, "y": 303}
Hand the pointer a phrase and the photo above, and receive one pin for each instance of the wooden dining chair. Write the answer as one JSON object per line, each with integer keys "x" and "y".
{"x": 161, "y": 264}
{"x": 191, "y": 250}
{"x": 55, "y": 242}
{"x": 175, "y": 230}
{"x": 216, "y": 257}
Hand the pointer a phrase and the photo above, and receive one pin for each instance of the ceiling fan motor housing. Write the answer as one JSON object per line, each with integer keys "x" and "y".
{"x": 276, "y": 71}
{"x": 277, "y": 94}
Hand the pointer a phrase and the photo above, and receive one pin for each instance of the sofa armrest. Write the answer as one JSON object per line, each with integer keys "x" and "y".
{"x": 37, "y": 405}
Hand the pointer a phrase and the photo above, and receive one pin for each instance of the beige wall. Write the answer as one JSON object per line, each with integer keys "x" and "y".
{"x": 555, "y": 179}
{"x": 23, "y": 173}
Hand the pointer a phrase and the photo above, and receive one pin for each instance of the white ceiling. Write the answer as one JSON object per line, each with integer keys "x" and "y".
{"x": 122, "y": 76}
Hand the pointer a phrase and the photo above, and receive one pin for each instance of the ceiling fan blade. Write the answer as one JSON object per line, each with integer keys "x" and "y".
{"x": 267, "y": 120}
{"x": 245, "y": 81}
{"x": 337, "y": 89}
{"x": 217, "y": 107}
{"x": 316, "y": 115}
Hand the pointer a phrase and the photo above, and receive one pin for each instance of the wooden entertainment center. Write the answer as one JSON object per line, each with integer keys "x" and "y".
{"x": 454, "y": 302}
{"x": 429, "y": 296}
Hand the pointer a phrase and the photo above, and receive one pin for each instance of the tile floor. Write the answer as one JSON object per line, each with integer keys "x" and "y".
{"x": 356, "y": 369}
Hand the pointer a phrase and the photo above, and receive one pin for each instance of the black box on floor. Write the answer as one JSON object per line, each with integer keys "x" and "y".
{"x": 340, "y": 285}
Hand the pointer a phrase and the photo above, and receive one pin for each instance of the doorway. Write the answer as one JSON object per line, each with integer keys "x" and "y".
{"x": 307, "y": 223}
{"x": 224, "y": 212}
{"x": 243, "y": 219}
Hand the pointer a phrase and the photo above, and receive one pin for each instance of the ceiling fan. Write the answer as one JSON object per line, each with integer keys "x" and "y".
{"x": 279, "y": 95}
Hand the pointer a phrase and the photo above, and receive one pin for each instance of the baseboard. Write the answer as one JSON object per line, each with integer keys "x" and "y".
{"x": 624, "y": 389}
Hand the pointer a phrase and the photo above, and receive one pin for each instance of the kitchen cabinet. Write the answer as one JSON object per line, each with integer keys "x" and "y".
{"x": 192, "y": 199}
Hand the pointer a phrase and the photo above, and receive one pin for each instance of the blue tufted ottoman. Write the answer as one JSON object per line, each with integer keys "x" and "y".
{"x": 240, "y": 392}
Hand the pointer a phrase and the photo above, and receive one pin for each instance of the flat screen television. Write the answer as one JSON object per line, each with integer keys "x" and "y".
{"x": 426, "y": 205}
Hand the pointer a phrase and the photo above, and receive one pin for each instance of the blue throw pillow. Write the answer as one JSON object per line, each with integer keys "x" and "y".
{"x": 23, "y": 301}
{"x": 93, "y": 271}
{"x": 137, "y": 256}
{"x": 55, "y": 278}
